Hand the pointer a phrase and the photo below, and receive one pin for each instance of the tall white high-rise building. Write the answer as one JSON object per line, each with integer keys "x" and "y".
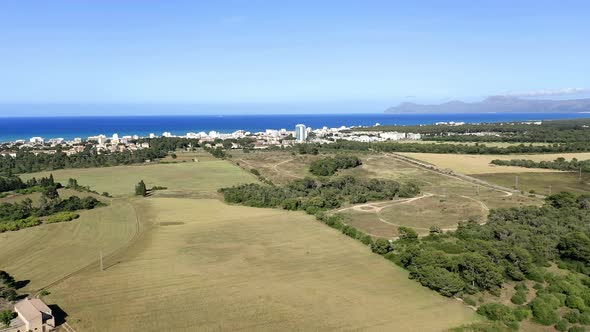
{"x": 300, "y": 133}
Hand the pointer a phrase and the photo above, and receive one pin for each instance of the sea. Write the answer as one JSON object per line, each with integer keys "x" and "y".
{"x": 15, "y": 128}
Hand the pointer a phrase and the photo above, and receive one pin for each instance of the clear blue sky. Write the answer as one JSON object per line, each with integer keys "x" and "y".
{"x": 370, "y": 54}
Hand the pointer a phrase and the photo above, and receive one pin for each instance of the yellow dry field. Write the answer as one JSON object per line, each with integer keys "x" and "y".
{"x": 35, "y": 197}
{"x": 480, "y": 164}
{"x": 464, "y": 199}
{"x": 490, "y": 144}
{"x": 46, "y": 253}
{"x": 203, "y": 265}
{"x": 205, "y": 176}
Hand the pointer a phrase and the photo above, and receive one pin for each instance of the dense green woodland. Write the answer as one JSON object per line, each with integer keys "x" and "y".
{"x": 314, "y": 196}
{"x": 559, "y": 164}
{"x": 515, "y": 245}
{"x": 27, "y": 161}
{"x": 330, "y": 165}
{"x": 554, "y": 131}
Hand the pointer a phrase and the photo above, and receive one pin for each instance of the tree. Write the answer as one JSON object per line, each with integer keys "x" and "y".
{"x": 6, "y": 316}
{"x": 381, "y": 246}
{"x": 140, "y": 189}
{"x": 407, "y": 233}
{"x": 51, "y": 193}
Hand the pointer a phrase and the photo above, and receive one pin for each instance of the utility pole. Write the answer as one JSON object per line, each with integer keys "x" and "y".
{"x": 101, "y": 265}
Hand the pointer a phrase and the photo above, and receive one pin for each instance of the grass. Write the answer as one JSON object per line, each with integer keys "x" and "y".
{"x": 480, "y": 164}
{"x": 206, "y": 176}
{"x": 541, "y": 183}
{"x": 201, "y": 263}
{"x": 35, "y": 197}
{"x": 490, "y": 144}
{"x": 278, "y": 166}
{"x": 419, "y": 214}
{"x": 46, "y": 253}
{"x": 437, "y": 210}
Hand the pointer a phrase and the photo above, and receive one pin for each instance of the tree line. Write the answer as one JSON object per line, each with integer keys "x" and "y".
{"x": 558, "y": 164}
{"x": 330, "y": 165}
{"x": 313, "y": 195}
{"x": 515, "y": 245}
{"x": 453, "y": 148}
{"x": 27, "y": 161}
{"x": 554, "y": 131}
{"x": 23, "y": 214}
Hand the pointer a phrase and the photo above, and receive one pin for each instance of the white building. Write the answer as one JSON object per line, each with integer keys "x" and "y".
{"x": 393, "y": 136}
{"x": 32, "y": 315}
{"x": 37, "y": 139}
{"x": 300, "y": 133}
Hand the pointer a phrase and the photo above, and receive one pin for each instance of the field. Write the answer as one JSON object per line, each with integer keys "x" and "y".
{"x": 490, "y": 144}
{"x": 546, "y": 183}
{"x": 204, "y": 176}
{"x": 480, "y": 164}
{"x": 46, "y": 253}
{"x": 277, "y": 166}
{"x": 463, "y": 199}
{"x": 541, "y": 181}
{"x": 201, "y": 263}
{"x": 179, "y": 263}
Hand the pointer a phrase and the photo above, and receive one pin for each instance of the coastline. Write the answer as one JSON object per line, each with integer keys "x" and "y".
{"x": 23, "y": 128}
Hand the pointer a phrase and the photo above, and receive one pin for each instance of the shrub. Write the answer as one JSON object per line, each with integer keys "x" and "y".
{"x": 381, "y": 246}
{"x": 518, "y": 298}
{"x": 522, "y": 313}
{"x": 562, "y": 325}
{"x": 407, "y": 233}
{"x": 61, "y": 217}
{"x": 367, "y": 239}
{"x": 439, "y": 279}
{"x": 497, "y": 312}
{"x": 6, "y": 316}
{"x": 575, "y": 302}
{"x": 544, "y": 312}
{"x": 576, "y": 329}
{"x": 572, "y": 316}
{"x": 469, "y": 300}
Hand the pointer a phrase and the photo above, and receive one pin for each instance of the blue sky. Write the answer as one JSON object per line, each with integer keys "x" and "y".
{"x": 341, "y": 55}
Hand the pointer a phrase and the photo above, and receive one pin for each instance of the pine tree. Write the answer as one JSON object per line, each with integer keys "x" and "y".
{"x": 140, "y": 189}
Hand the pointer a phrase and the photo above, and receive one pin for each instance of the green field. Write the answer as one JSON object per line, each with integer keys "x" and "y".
{"x": 201, "y": 263}
{"x": 46, "y": 253}
{"x": 204, "y": 176}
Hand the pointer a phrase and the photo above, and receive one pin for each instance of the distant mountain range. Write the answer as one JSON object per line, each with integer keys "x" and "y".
{"x": 498, "y": 104}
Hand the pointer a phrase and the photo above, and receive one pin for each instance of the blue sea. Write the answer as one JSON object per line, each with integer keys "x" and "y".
{"x": 15, "y": 128}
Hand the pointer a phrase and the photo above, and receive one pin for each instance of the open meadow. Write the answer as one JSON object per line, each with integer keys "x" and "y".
{"x": 451, "y": 199}
{"x": 278, "y": 166}
{"x": 480, "y": 164}
{"x": 203, "y": 176}
{"x": 540, "y": 181}
{"x": 46, "y": 253}
{"x": 203, "y": 263}
{"x": 445, "y": 200}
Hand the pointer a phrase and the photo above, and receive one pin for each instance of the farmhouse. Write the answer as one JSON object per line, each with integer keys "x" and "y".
{"x": 33, "y": 315}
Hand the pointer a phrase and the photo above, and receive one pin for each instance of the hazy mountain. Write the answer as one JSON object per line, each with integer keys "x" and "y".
{"x": 497, "y": 104}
